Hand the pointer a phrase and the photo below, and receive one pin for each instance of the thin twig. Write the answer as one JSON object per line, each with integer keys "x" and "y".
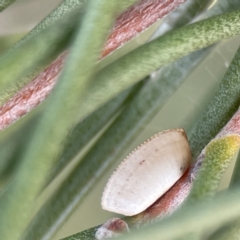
{"x": 130, "y": 23}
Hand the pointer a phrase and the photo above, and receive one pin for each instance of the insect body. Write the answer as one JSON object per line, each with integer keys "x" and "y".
{"x": 147, "y": 173}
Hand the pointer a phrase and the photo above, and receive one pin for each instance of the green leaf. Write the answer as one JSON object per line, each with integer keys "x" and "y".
{"x": 67, "y": 7}
{"x": 126, "y": 3}
{"x": 230, "y": 231}
{"x": 12, "y": 146}
{"x": 235, "y": 180}
{"x": 6, "y": 42}
{"x": 221, "y": 108}
{"x": 197, "y": 217}
{"x": 56, "y": 120}
{"x": 144, "y": 105}
{"x": 224, "y": 104}
{"x": 227, "y": 232}
{"x": 182, "y": 16}
{"x": 11, "y": 140}
{"x": 219, "y": 153}
{"x": 5, "y": 3}
{"x": 140, "y": 62}
{"x": 84, "y": 131}
{"x": 222, "y": 6}
{"x": 88, "y": 234}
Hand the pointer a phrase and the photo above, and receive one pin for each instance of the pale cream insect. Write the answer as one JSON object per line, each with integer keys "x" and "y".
{"x": 147, "y": 173}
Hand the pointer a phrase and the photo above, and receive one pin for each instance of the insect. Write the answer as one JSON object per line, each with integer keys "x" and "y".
{"x": 147, "y": 173}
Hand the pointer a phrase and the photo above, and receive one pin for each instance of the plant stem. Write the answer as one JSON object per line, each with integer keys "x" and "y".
{"x": 139, "y": 63}
{"x": 147, "y": 12}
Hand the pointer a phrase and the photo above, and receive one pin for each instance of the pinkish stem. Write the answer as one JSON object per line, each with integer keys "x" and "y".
{"x": 173, "y": 198}
{"x": 232, "y": 127}
{"x": 31, "y": 95}
{"x": 130, "y": 23}
{"x": 136, "y": 19}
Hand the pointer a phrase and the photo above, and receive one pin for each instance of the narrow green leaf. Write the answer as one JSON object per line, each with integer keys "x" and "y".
{"x": 196, "y": 217}
{"x": 88, "y": 234}
{"x": 230, "y": 231}
{"x": 126, "y": 3}
{"x": 5, "y": 3}
{"x": 56, "y": 121}
{"x": 219, "y": 153}
{"x": 235, "y": 180}
{"x": 181, "y": 16}
{"x": 140, "y": 62}
{"x": 227, "y": 232}
{"x": 6, "y": 42}
{"x": 222, "y": 6}
{"x": 81, "y": 134}
{"x": 221, "y": 108}
{"x": 67, "y": 7}
{"x": 192, "y": 236}
{"x": 13, "y": 136}
{"x": 144, "y": 105}
{"x": 12, "y": 146}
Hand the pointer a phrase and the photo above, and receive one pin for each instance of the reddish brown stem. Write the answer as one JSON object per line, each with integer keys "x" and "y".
{"x": 168, "y": 203}
{"x": 31, "y": 95}
{"x": 130, "y": 23}
{"x": 173, "y": 198}
{"x": 136, "y": 19}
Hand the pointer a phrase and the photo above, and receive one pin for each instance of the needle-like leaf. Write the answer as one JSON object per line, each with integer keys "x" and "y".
{"x": 218, "y": 155}
{"x": 144, "y": 105}
{"x": 56, "y": 120}
{"x": 220, "y": 109}
{"x": 5, "y": 3}
{"x": 140, "y": 62}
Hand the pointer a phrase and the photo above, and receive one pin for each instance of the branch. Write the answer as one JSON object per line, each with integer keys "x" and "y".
{"x": 132, "y": 22}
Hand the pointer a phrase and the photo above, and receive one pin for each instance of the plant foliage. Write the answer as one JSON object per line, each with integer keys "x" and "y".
{"x": 95, "y": 112}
